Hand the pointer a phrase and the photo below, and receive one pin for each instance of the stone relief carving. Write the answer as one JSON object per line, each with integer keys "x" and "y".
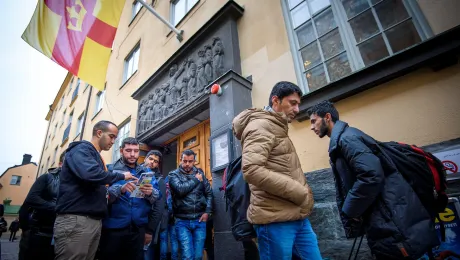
{"x": 184, "y": 84}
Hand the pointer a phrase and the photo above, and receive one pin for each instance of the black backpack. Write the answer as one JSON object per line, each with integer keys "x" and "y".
{"x": 237, "y": 196}
{"x": 424, "y": 172}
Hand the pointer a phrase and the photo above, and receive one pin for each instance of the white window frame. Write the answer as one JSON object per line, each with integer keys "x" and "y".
{"x": 15, "y": 180}
{"x": 123, "y": 132}
{"x": 55, "y": 129}
{"x": 63, "y": 117}
{"x": 99, "y": 101}
{"x": 135, "y": 9}
{"x": 48, "y": 141}
{"x": 189, "y": 5}
{"x": 131, "y": 64}
{"x": 346, "y": 33}
{"x": 80, "y": 124}
{"x": 62, "y": 102}
{"x": 55, "y": 154}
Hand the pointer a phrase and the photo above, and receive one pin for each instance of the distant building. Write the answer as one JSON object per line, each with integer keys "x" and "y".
{"x": 15, "y": 183}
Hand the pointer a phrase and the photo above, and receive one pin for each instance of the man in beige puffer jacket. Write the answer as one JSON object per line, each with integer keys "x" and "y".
{"x": 281, "y": 199}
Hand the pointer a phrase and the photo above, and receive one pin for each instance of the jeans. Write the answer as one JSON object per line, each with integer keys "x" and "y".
{"x": 171, "y": 231}
{"x": 191, "y": 235}
{"x": 279, "y": 241}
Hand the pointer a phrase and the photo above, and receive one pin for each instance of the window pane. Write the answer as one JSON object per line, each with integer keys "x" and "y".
{"x": 136, "y": 59}
{"x": 325, "y": 22}
{"x": 403, "y": 36}
{"x": 305, "y": 34}
{"x": 331, "y": 44}
{"x": 354, "y": 7}
{"x": 179, "y": 11}
{"x": 293, "y": 3}
{"x": 373, "y": 50}
{"x": 318, "y": 5}
{"x": 316, "y": 78}
{"x": 190, "y": 4}
{"x": 391, "y": 12}
{"x": 300, "y": 14}
{"x": 364, "y": 26}
{"x": 310, "y": 56}
{"x": 338, "y": 67}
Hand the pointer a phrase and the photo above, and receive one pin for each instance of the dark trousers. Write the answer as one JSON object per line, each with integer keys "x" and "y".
{"x": 209, "y": 242}
{"x": 123, "y": 244}
{"x": 24, "y": 244}
{"x": 39, "y": 245}
{"x": 13, "y": 235}
{"x": 251, "y": 252}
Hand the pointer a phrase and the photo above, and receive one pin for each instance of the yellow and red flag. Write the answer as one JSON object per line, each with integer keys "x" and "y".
{"x": 76, "y": 34}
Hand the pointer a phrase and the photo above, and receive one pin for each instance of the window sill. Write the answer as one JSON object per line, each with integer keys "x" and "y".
{"x": 129, "y": 79}
{"x": 95, "y": 115}
{"x": 76, "y": 137}
{"x": 73, "y": 100}
{"x": 438, "y": 52}
{"x": 65, "y": 141}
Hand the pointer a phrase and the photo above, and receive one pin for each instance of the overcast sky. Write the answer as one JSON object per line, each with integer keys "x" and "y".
{"x": 29, "y": 83}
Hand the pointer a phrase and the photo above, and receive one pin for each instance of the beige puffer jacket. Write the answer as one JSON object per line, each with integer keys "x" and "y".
{"x": 279, "y": 190}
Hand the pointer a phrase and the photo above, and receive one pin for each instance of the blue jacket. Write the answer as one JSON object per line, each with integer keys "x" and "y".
{"x": 82, "y": 188}
{"x": 124, "y": 210}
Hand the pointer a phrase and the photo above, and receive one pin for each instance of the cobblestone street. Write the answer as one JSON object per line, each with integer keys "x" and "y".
{"x": 9, "y": 249}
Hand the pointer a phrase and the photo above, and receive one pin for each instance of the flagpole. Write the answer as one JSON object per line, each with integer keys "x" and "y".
{"x": 177, "y": 32}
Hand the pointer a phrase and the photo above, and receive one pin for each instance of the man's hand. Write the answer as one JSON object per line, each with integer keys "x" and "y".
{"x": 129, "y": 186}
{"x": 129, "y": 176}
{"x": 147, "y": 189}
{"x": 148, "y": 239}
{"x": 204, "y": 217}
{"x": 199, "y": 176}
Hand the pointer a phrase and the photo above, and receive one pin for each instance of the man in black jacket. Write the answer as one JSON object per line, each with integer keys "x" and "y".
{"x": 192, "y": 205}
{"x": 40, "y": 204}
{"x": 372, "y": 196}
{"x": 83, "y": 195}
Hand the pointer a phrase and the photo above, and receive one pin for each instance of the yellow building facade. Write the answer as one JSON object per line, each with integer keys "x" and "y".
{"x": 390, "y": 66}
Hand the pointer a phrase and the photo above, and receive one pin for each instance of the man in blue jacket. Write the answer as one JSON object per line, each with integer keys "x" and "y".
{"x": 82, "y": 199}
{"x": 128, "y": 229}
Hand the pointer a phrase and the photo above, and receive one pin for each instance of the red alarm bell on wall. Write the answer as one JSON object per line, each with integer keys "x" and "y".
{"x": 216, "y": 89}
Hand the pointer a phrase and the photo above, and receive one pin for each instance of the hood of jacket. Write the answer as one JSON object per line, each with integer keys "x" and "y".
{"x": 242, "y": 120}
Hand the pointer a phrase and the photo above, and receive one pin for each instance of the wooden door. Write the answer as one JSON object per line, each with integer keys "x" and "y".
{"x": 197, "y": 140}
{"x": 144, "y": 149}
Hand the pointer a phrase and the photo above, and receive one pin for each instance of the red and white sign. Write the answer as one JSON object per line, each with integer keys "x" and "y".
{"x": 450, "y": 159}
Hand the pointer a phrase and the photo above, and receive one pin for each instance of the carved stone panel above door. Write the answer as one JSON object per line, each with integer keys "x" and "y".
{"x": 179, "y": 85}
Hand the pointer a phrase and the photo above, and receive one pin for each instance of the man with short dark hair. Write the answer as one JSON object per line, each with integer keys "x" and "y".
{"x": 192, "y": 205}
{"x": 83, "y": 196}
{"x": 372, "y": 196}
{"x": 37, "y": 221}
{"x": 127, "y": 227}
{"x": 281, "y": 199}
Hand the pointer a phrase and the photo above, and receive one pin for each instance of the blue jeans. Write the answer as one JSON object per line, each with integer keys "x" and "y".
{"x": 279, "y": 241}
{"x": 171, "y": 231}
{"x": 191, "y": 235}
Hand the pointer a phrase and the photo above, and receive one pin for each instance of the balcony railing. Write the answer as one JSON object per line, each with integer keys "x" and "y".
{"x": 66, "y": 133}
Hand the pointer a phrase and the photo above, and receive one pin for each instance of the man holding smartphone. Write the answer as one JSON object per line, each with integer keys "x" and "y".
{"x": 128, "y": 228}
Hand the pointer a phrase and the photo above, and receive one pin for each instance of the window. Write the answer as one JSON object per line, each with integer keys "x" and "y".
{"x": 80, "y": 124}
{"x": 70, "y": 118}
{"x": 62, "y": 102}
{"x": 131, "y": 63}
{"x": 55, "y": 154}
{"x": 48, "y": 141}
{"x": 47, "y": 164}
{"x": 136, "y": 8}
{"x": 333, "y": 38}
{"x": 55, "y": 129}
{"x": 75, "y": 92}
{"x": 86, "y": 87}
{"x": 15, "y": 180}
{"x": 99, "y": 101}
{"x": 123, "y": 132}
{"x": 180, "y": 8}
{"x": 63, "y": 117}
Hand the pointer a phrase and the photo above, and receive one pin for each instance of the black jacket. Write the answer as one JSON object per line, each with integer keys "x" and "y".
{"x": 191, "y": 197}
{"x": 370, "y": 187}
{"x": 82, "y": 188}
{"x": 41, "y": 201}
{"x": 159, "y": 217}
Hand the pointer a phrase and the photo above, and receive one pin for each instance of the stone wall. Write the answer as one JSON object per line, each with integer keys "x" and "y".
{"x": 326, "y": 222}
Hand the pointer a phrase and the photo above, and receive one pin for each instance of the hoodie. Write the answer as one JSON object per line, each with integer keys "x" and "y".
{"x": 271, "y": 167}
{"x": 82, "y": 189}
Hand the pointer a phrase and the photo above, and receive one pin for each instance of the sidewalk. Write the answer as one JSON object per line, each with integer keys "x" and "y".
{"x": 9, "y": 249}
